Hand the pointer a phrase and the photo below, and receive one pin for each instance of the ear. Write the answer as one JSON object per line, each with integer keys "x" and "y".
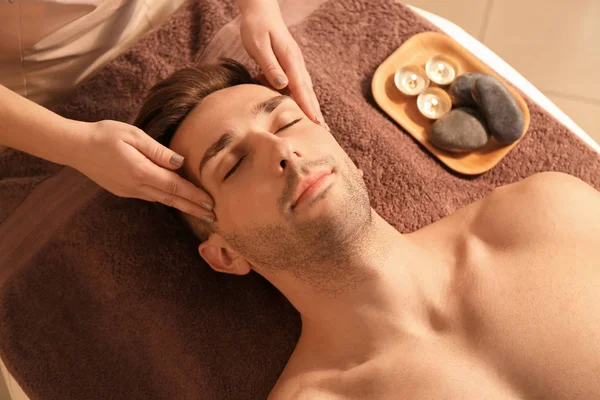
{"x": 222, "y": 258}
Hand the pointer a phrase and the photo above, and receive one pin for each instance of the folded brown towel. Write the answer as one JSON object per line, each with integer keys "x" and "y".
{"x": 103, "y": 297}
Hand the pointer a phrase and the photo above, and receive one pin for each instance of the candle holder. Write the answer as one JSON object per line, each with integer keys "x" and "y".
{"x": 411, "y": 80}
{"x": 441, "y": 69}
{"x": 434, "y": 103}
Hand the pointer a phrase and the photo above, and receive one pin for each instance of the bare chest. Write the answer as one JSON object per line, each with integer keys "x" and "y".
{"x": 525, "y": 325}
{"x": 525, "y": 297}
{"x": 523, "y": 330}
{"x": 527, "y": 309}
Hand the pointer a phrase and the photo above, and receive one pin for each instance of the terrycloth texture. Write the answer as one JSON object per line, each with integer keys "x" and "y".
{"x": 103, "y": 297}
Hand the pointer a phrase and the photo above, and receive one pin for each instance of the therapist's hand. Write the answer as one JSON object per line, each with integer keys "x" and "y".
{"x": 128, "y": 163}
{"x": 268, "y": 41}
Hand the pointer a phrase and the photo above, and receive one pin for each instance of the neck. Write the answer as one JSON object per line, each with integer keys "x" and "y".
{"x": 388, "y": 286}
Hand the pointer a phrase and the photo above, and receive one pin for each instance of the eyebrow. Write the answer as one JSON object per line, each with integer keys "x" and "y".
{"x": 265, "y": 107}
{"x": 268, "y": 106}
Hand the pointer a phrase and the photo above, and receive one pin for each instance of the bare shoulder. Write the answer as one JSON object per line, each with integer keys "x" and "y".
{"x": 555, "y": 191}
{"x": 557, "y": 180}
{"x": 549, "y": 189}
{"x": 539, "y": 271}
{"x": 546, "y": 203}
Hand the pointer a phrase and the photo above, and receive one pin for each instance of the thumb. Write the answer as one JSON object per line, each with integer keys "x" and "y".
{"x": 159, "y": 154}
{"x": 270, "y": 67}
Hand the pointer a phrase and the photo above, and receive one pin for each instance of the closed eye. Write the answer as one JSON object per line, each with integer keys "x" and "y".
{"x": 288, "y": 125}
{"x": 232, "y": 170}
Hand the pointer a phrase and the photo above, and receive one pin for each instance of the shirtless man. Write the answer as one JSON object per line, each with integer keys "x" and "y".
{"x": 491, "y": 302}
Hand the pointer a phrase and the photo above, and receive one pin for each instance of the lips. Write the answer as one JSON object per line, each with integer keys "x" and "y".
{"x": 306, "y": 184}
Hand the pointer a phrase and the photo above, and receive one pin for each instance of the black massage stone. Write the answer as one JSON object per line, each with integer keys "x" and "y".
{"x": 462, "y": 87}
{"x": 502, "y": 114}
{"x": 461, "y": 130}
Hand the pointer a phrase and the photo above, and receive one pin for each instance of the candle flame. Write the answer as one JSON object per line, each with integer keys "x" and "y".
{"x": 412, "y": 81}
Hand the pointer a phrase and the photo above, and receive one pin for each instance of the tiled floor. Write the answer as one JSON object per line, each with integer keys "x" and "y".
{"x": 554, "y": 44}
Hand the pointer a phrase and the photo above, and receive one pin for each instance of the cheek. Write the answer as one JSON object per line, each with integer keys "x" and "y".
{"x": 326, "y": 144}
{"x": 246, "y": 207}
{"x": 324, "y": 138}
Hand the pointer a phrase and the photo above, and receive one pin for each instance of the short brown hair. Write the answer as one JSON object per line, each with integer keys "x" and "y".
{"x": 170, "y": 101}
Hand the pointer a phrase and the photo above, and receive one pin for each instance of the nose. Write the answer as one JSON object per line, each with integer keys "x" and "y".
{"x": 281, "y": 155}
{"x": 285, "y": 155}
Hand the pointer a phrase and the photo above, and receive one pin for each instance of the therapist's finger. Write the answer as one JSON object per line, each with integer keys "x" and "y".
{"x": 155, "y": 195}
{"x": 269, "y": 64}
{"x": 174, "y": 187}
{"x": 316, "y": 101}
{"x": 156, "y": 152}
{"x": 300, "y": 84}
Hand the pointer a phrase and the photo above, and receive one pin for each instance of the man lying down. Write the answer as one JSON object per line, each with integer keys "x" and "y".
{"x": 491, "y": 302}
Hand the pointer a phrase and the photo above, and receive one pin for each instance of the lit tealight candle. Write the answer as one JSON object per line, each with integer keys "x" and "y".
{"x": 440, "y": 69}
{"x": 411, "y": 80}
{"x": 434, "y": 103}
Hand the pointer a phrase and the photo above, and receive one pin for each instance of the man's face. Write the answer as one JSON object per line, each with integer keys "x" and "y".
{"x": 285, "y": 192}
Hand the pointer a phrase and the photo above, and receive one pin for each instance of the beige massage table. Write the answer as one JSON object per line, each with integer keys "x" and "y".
{"x": 485, "y": 55}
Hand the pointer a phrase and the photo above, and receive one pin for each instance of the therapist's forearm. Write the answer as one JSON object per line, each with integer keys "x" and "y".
{"x": 33, "y": 129}
{"x": 249, "y": 5}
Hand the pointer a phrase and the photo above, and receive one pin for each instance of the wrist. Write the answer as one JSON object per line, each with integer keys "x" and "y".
{"x": 73, "y": 137}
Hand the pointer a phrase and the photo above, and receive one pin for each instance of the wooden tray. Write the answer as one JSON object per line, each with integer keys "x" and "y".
{"x": 403, "y": 109}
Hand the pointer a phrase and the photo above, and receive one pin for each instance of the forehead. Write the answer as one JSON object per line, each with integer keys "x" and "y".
{"x": 225, "y": 109}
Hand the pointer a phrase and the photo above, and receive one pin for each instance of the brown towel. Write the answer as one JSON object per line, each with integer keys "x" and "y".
{"x": 103, "y": 297}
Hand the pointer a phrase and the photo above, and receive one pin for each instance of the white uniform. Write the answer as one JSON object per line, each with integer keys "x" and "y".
{"x": 49, "y": 46}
